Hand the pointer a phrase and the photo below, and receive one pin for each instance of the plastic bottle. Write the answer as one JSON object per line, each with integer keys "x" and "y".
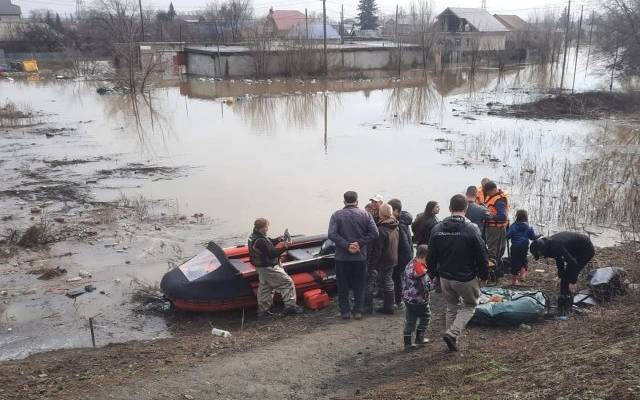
{"x": 220, "y": 332}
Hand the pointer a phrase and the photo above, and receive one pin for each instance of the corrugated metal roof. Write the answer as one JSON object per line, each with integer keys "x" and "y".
{"x": 315, "y": 31}
{"x": 479, "y": 18}
{"x": 6, "y": 8}
{"x": 286, "y": 19}
{"x": 512, "y": 22}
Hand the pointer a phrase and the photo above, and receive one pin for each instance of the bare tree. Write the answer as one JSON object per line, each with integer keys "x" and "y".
{"x": 618, "y": 31}
{"x": 120, "y": 21}
{"x": 260, "y": 42}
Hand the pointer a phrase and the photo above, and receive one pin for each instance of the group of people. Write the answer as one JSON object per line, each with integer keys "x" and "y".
{"x": 374, "y": 257}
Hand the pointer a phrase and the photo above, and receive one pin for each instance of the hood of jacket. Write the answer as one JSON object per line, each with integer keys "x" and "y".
{"x": 390, "y": 224}
{"x": 453, "y": 223}
{"x": 405, "y": 218}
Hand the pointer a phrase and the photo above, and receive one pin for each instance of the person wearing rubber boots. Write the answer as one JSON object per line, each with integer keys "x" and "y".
{"x": 405, "y": 248}
{"x": 266, "y": 258}
{"x": 495, "y": 225}
{"x": 415, "y": 293}
{"x": 572, "y": 252}
{"x": 381, "y": 260}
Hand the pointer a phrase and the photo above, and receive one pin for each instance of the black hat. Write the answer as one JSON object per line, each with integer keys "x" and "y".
{"x": 350, "y": 197}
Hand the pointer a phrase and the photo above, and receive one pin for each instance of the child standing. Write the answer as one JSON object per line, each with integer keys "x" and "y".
{"x": 520, "y": 233}
{"x": 415, "y": 293}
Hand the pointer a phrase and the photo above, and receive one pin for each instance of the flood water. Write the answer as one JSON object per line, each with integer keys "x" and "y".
{"x": 287, "y": 150}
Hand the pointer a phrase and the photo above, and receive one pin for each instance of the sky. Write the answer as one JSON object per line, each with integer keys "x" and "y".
{"x": 524, "y": 8}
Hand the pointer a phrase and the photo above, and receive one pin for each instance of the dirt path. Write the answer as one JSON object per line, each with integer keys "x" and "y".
{"x": 334, "y": 360}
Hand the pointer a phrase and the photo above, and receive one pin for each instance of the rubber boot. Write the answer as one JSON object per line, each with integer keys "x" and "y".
{"x": 565, "y": 304}
{"x": 367, "y": 307}
{"x": 420, "y": 339}
{"x": 408, "y": 346}
{"x": 387, "y": 307}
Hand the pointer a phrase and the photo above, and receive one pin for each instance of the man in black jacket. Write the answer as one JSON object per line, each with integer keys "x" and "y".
{"x": 405, "y": 248}
{"x": 265, "y": 257}
{"x": 572, "y": 252}
{"x": 459, "y": 256}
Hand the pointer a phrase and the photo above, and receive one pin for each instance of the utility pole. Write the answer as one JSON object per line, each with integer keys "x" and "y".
{"x": 615, "y": 61}
{"x": 342, "y": 24}
{"x": 398, "y": 41}
{"x": 141, "y": 21}
{"x": 566, "y": 44}
{"x": 324, "y": 34}
{"x": 306, "y": 22}
{"x": 575, "y": 66}
{"x": 586, "y": 68}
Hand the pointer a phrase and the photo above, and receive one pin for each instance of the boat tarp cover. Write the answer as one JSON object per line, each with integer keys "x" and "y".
{"x": 515, "y": 308}
{"x": 209, "y": 276}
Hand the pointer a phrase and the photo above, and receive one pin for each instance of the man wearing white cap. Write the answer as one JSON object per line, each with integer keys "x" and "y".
{"x": 374, "y": 205}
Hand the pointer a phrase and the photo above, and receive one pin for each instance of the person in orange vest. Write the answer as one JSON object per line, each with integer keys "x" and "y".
{"x": 496, "y": 224}
{"x": 480, "y": 196}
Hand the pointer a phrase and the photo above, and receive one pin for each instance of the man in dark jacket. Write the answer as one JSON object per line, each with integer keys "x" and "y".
{"x": 265, "y": 257}
{"x": 572, "y": 252}
{"x": 383, "y": 257}
{"x": 476, "y": 213}
{"x": 351, "y": 229}
{"x": 405, "y": 248}
{"x": 458, "y": 255}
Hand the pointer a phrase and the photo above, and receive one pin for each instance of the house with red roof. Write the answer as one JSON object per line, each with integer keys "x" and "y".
{"x": 282, "y": 21}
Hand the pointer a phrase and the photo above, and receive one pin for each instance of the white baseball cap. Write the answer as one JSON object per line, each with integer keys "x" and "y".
{"x": 377, "y": 198}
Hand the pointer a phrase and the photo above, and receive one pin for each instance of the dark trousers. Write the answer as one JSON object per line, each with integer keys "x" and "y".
{"x": 419, "y": 314}
{"x": 518, "y": 258}
{"x": 397, "y": 282}
{"x": 351, "y": 275}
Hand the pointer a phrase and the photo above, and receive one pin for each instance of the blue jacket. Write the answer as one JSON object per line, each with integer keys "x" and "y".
{"x": 349, "y": 225}
{"x": 520, "y": 233}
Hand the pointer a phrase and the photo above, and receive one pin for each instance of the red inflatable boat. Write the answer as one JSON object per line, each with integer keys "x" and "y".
{"x": 224, "y": 279}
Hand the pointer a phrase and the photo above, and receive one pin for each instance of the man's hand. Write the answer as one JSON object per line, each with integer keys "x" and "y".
{"x": 354, "y": 248}
{"x": 286, "y": 244}
{"x": 573, "y": 287}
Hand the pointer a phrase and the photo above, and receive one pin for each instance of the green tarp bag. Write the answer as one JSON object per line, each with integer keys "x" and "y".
{"x": 515, "y": 308}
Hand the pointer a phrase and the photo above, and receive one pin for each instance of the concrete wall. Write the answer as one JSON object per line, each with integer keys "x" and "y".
{"x": 242, "y": 64}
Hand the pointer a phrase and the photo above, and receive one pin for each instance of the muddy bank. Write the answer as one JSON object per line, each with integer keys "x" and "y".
{"x": 317, "y": 355}
{"x": 588, "y": 105}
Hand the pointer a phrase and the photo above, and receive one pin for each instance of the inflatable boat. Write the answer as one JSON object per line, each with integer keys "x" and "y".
{"x": 224, "y": 279}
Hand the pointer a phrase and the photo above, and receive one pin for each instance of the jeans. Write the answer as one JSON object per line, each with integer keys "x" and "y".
{"x": 416, "y": 313}
{"x": 518, "y": 258}
{"x": 351, "y": 275}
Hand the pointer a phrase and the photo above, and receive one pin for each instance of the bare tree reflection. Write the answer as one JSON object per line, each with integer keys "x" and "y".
{"x": 301, "y": 110}
{"x": 413, "y": 104}
{"x": 139, "y": 111}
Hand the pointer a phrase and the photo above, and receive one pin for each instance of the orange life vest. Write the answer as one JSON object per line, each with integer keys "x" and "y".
{"x": 490, "y": 203}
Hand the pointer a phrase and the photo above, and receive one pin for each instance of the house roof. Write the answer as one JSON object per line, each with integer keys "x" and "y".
{"x": 286, "y": 19}
{"x": 512, "y": 22}
{"x": 315, "y": 31}
{"x": 479, "y": 18}
{"x": 6, "y": 8}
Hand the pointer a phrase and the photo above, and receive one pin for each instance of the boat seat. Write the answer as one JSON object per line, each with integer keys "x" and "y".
{"x": 304, "y": 254}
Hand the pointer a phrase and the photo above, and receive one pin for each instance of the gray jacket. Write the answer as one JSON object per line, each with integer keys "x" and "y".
{"x": 349, "y": 225}
{"x": 477, "y": 214}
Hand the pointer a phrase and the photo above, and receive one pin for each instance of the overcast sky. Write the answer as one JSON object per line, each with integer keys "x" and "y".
{"x": 521, "y": 7}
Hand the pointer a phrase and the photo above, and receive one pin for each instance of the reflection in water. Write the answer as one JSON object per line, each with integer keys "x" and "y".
{"x": 142, "y": 111}
{"x": 413, "y": 104}
{"x": 302, "y": 110}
